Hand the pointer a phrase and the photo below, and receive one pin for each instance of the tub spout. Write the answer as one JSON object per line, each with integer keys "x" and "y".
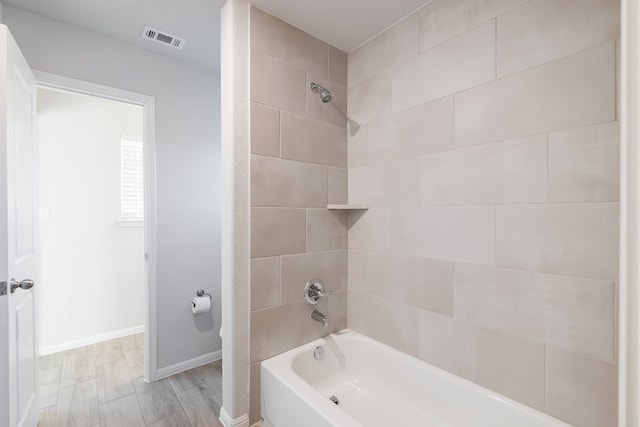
{"x": 319, "y": 317}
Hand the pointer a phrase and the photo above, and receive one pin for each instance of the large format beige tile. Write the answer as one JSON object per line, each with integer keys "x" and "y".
{"x": 581, "y": 390}
{"x": 387, "y": 50}
{"x": 297, "y": 270}
{"x": 507, "y": 172}
{"x": 458, "y": 64}
{"x": 571, "y": 92}
{"x": 359, "y": 185}
{"x": 337, "y": 305}
{"x": 441, "y": 20}
{"x": 265, "y": 282}
{"x": 277, "y": 231}
{"x": 335, "y": 111}
{"x": 423, "y": 129}
{"x": 551, "y": 309}
{"x": 338, "y": 62}
{"x": 568, "y": 239}
{"x": 386, "y": 321}
{"x": 338, "y": 186}
{"x": 281, "y": 328}
{"x": 287, "y": 183}
{"x": 265, "y": 130}
{"x": 288, "y": 43}
{"x": 358, "y": 146}
{"x": 465, "y": 233}
{"x": 503, "y": 363}
{"x": 395, "y": 183}
{"x": 370, "y": 230}
{"x": 312, "y": 141}
{"x": 326, "y": 230}
{"x": 584, "y": 164}
{"x": 369, "y": 99}
{"x": 544, "y": 30}
{"x": 390, "y": 184}
{"x": 277, "y": 84}
{"x": 420, "y": 282}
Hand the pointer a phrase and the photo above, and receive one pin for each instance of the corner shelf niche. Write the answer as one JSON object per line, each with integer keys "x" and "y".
{"x": 347, "y": 207}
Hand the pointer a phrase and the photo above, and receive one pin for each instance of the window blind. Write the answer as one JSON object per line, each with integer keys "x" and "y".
{"x": 132, "y": 180}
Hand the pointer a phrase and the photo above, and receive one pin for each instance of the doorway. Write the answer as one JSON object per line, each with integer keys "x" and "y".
{"x": 126, "y": 207}
{"x": 90, "y": 220}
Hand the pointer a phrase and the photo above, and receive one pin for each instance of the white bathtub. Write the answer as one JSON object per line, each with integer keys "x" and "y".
{"x": 378, "y": 386}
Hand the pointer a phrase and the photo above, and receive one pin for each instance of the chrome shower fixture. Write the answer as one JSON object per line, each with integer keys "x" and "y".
{"x": 325, "y": 94}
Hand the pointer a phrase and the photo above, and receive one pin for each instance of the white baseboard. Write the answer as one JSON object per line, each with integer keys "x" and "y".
{"x": 188, "y": 364}
{"x": 90, "y": 340}
{"x": 227, "y": 421}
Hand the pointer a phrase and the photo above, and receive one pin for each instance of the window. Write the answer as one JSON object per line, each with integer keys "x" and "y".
{"x": 132, "y": 180}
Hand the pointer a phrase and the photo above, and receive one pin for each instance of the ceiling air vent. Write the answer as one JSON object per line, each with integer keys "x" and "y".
{"x": 163, "y": 37}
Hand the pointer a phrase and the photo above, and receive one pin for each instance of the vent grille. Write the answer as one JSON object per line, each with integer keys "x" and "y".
{"x": 163, "y": 37}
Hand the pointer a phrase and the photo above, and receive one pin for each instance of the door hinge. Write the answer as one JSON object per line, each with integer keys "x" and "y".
{"x": 3, "y": 288}
{"x": 146, "y": 256}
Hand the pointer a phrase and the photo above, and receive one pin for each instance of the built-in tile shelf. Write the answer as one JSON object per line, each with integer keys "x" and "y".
{"x": 347, "y": 207}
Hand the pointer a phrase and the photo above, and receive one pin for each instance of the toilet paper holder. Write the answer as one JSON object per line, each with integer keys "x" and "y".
{"x": 201, "y": 303}
{"x": 201, "y": 293}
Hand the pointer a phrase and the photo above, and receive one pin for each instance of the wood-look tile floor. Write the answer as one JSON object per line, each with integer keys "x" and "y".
{"x": 103, "y": 385}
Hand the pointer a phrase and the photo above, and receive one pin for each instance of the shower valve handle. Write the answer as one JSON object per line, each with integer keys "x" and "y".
{"x": 314, "y": 290}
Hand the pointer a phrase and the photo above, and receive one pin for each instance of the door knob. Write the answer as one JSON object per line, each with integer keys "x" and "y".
{"x": 23, "y": 284}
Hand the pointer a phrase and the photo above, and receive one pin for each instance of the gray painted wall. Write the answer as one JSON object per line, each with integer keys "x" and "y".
{"x": 187, "y": 104}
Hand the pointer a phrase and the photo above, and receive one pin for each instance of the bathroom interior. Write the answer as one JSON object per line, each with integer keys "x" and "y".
{"x": 453, "y": 179}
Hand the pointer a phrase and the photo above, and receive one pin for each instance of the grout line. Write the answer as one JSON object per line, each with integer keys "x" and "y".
{"x": 144, "y": 417}
{"x": 184, "y": 410}
{"x": 119, "y": 397}
{"x": 99, "y": 405}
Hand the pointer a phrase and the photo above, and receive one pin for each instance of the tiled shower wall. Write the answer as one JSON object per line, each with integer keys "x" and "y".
{"x": 484, "y": 138}
{"x": 298, "y": 166}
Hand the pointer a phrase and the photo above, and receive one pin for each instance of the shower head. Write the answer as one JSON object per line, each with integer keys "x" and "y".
{"x": 325, "y": 94}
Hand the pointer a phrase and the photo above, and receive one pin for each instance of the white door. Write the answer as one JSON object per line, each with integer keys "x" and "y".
{"x": 19, "y": 406}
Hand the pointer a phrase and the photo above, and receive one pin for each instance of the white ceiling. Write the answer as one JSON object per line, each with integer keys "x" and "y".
{"x": 343, "y": 23}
